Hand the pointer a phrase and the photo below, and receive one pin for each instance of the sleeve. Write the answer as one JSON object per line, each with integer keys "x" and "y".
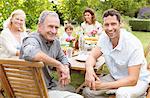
{"x": 30, "y": 47}
{"x": 7, "y": 45}
{"x": 82, "y": 28}
{"x": 101, "y": 40}
{"x": 99, "y": 27}
{"x": 61, "y": 56}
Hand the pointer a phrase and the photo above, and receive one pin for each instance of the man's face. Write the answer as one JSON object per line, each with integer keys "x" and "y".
{"x": 112, "y": 27}
{"x": 49, "y": 28}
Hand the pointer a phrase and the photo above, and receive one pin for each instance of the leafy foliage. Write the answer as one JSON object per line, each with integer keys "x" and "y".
{"x": 72, "y": 9}
{"x": 68, "y": 9}
{"x": 32, "y": 9}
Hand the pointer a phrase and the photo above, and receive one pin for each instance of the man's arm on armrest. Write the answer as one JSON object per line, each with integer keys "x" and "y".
{"x": 40, "y": 56}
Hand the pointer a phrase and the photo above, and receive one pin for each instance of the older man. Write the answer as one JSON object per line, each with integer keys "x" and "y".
{"x": 43, "y": 46}
{"x": 123, "y": 52}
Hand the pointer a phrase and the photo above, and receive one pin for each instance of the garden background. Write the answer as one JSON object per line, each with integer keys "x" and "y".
{"x": 72, "y": 10}
{"x": 135, "y": 14}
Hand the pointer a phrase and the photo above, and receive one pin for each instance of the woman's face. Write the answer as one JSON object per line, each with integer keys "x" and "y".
{"x": 88, "y": 17}
{"x": 18, "y": 21}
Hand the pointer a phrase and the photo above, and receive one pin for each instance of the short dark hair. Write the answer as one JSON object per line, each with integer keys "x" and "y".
{"x": 92, "y": 13}
{"x": 112, "y": 12}
{"x": 68, "y": 26}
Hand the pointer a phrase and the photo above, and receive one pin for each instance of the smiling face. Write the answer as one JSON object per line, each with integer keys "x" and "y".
{"x": 69, "y": 31}
{"x": 112, "y": 27}
{"x": 88, "y": 17}
{"x": 17, "y": 21}
{"x": 49, "y": 27}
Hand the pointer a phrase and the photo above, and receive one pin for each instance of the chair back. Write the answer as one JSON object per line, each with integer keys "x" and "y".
{"x": 22, "y": 79}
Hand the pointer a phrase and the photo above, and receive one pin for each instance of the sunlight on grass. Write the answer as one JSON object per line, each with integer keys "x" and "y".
{"x": 144, "y": 37}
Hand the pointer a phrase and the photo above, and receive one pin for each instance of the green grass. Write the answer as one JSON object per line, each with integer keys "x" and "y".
{"x": 144, "y": 37}
{"x": 77, "y": 78}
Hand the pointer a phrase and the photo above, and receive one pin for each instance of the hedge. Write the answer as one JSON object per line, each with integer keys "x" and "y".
{"x": 140, "y": 24}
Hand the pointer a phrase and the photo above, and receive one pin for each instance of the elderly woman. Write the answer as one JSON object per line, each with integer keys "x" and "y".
{"x": 13, "y": 33}
{"x": 90, "y": 26}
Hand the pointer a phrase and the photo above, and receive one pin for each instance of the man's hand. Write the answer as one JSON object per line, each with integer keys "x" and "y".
{"x": 90, "y": 78}
{"x": 64, "y": 75}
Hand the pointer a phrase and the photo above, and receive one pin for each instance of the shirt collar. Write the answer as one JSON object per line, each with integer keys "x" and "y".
{"x": 120, "y": 43}
{"x": 48, "y": 43}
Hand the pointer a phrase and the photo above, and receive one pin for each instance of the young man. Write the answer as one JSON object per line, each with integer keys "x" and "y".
{"x": 124, "y": 58}
{"x": 43, "y": 46}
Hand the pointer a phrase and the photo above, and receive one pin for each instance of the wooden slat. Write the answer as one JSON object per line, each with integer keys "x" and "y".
{"x": 17, "y": 67}
{"x": 24, "y": 88}
{"x": 23, "y": 84}
{"x": 19, "y": 76}
{"x": 20, "y": 95}
{"x": 28, "y": 81}
{"x": 20, "y": 62}
{"x": 29, "y": 73}
{"x": 25, "y": 91}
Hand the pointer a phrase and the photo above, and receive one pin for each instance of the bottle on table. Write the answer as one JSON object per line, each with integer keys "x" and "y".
{"x": 81, "y": 42}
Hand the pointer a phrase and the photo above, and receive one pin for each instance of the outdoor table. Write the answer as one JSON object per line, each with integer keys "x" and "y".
{"x": 80, "y": 65}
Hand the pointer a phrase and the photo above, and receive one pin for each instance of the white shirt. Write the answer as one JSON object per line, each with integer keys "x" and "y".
{"x": 63, "y": 39}
{"x": 128, "y": 52}
{"x": 88, "y": 28}
{"x": 8, "y": 43}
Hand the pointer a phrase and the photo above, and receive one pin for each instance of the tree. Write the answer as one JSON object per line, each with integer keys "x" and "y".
{"x": 68, "y": 9}
{"x": 6, "y": 7}
{"x": 33, "y": 8}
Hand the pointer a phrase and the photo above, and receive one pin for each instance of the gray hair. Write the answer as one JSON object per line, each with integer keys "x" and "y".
{"x": 45, "y": 13}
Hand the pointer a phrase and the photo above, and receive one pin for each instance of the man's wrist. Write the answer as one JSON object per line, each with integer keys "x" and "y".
{"x": 68, "y": 65}
{"x": 60, "y": 66}
{"x": 89, "y": 69}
